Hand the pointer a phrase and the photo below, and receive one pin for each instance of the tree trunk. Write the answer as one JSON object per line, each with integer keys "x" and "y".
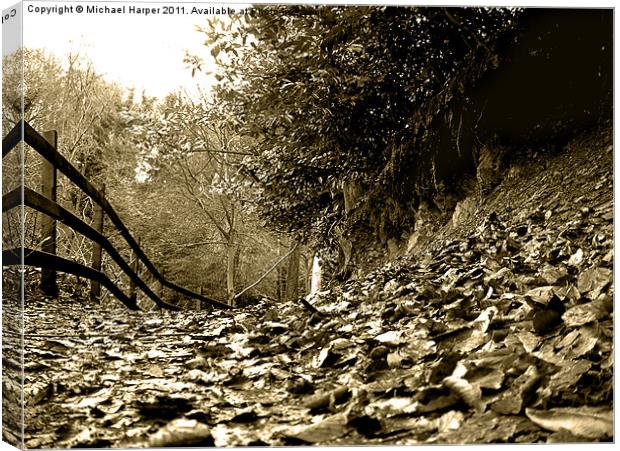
{"x": 231, "y": 253}
{"x": 281, "y": 276}
{"x": 308, "y": 274}
{"x": 292, "y": 276}
{"x": 345, "y": 253}
{"x": 352, "y": 192}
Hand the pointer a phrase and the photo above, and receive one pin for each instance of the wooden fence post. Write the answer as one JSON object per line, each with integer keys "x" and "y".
{"x": 135, "y": 266}
{"x": 202, "y": 293}
{"x": 161, "y": 285}
{"x": 48, "y": 225}
{"x": 95, "y": 287}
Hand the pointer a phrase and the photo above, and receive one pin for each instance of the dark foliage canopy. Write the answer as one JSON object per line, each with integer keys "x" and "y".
{"x": 371, "y": 96}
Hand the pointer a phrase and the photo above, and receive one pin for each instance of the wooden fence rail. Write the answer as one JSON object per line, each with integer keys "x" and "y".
{"x": 55, "y": 212}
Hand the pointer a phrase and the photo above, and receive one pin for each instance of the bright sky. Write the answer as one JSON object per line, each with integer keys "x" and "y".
{"x": 145, "y": 52}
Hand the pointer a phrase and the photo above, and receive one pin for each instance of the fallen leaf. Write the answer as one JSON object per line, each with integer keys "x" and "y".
{"x": 274, "y": 327}
{"x": 576, "y": 259}
{"x": 326, "y": 358}
{"x": 470, "y": 393}
{"x": 586, "y": 313}
{"x": 482, "y": 323}
{"x": 583, "y": 421}
{"x": 564, "y": 436}
{"x": 486, "y": 377}
{"x": 520, "y": 393}
{"x": 588, "y": 338}
{"x": 393, "y": 337}
{"x": 341, "y": 343}
{"x": 94, "y": 401}
{"x": 449, "y": 421}
{"x": 568, "y": 376}
{"x": 551, "y": 274}
{"x": 540, "y": 295}
{"x": 324, "y": 399}
{"x": 593, "y": 280}
{"x": 499, "y": 277}
{"x": 529, "y": 341}
{"x": 329, "y": 428}
{"x": 182, "y": 432}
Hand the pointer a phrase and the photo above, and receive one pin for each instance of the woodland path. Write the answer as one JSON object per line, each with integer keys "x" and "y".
{"x": 502, "y": 331}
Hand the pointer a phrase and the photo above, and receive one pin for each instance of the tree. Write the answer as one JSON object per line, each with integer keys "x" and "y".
{"x": 85, "y": 110}
{"x": 332, "y": 98}
{"x": 188, "y": 145}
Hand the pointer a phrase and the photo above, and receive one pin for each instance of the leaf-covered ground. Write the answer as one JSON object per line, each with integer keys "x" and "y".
{"x": 502, "y": 331}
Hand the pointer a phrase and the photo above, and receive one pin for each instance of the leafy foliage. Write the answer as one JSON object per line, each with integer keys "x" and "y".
{"x": 398, "y": 102}
{"x": 327, "y": 93}
{"x": 190, "y": 157}
{"x": 85, "y": 111}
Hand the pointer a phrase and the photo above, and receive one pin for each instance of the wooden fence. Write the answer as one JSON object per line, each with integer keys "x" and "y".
{"x": 45, "y": 202}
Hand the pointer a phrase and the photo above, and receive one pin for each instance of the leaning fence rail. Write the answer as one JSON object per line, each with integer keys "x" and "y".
{"x": 47, "y": 260}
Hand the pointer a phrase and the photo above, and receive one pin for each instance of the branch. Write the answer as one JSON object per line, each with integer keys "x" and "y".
{"x": 197, "y": 199}
{"x": 203, "y": 243}
{"x": 460, "y": 25}
{"x": 269, "y": 271}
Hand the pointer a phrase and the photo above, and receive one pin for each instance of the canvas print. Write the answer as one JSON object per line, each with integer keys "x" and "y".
{"x": 298, "y": 225}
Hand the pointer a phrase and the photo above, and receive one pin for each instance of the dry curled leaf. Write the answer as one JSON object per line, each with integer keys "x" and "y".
{"x": 182, "y": 432}
{"x": 593, "y": 280}
{"x": 586, "y": 313}
{"x": 326, "y": 358}
{"x": 483, "y": 321}
{"x": 328, "y": 429}
{"x": 520, "y": 394}
{"x": 584, "y": 421}
{"x": 470, "y": 393}
{"x": 576, "y": 259}
{"x": 541, "y": 295}
{"x": 391, "y": 337}
{"x": 325, "y": 399}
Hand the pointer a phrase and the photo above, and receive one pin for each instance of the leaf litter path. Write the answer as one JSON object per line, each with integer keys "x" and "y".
{"x": 502, "y": 332}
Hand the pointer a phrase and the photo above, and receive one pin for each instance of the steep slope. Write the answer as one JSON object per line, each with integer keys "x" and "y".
{"x": 569, "y": 183}
{"x": 508, "y": 305}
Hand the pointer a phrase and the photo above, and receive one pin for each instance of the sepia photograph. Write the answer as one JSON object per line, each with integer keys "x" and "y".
{"x": 236, "y": 224}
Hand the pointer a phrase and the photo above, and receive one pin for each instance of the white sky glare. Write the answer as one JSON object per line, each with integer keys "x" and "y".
{"x": 144, "y": 52}
{"x": 141, "y": 51}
